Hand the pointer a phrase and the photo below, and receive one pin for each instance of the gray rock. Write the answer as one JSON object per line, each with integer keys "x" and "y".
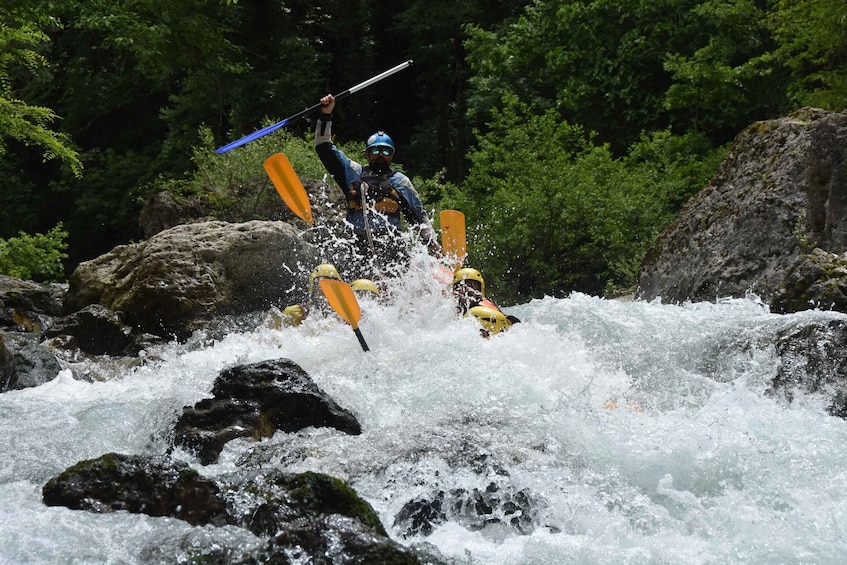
{"x": 31, "y": 296}
{"x": 182, "y": 278}
{"x": 24, "y": 362}
{"x": 780, "y": 192}
{"x": 812, "y": 361}
{"x": 816, "y": 280}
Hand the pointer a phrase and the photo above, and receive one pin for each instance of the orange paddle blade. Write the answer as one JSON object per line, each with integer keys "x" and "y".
{"x": 340, "y": 296}
{"x": 453, "y": 242}
{"x": 288, "y": 185}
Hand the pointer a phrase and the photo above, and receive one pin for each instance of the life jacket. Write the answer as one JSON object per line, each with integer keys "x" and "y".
{"x": 381, "y": 194}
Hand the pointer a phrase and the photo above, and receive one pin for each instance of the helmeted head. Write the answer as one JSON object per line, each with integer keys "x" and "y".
{"x": 467, "y": 274}
{"x": 379, "y": 150}
{"x": 322, "y": 271}
{"x": 364, "y": 285}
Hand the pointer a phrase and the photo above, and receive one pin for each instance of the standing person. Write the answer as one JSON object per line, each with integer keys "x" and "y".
{"x": 377, "y": 197}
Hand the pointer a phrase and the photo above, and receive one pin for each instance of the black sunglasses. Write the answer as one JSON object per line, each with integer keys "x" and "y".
{"x": 376, "y": 150}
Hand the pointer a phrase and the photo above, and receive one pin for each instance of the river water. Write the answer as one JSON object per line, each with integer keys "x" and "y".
{"x": 641, "y": 432}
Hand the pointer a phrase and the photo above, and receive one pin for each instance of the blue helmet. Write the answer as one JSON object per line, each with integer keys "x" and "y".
{"x": 380, "y": 138}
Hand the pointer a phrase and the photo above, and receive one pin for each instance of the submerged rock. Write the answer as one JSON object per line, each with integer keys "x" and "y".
{"x": 812, "y": 361}
{"x": 496, "y": 510}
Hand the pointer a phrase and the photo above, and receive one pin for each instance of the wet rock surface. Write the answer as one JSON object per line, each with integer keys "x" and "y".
{"x": 306, "y": 517}
{"x": 255, "y": 401}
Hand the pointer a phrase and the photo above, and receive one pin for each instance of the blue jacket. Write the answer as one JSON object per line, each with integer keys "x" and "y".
{"x": 393, "y": 191}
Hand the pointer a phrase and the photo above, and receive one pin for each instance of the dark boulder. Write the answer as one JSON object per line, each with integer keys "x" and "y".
{"x": 24, "y": 362}
{"x": 157, "y": 486}
{"x": 96, "y": 330}
{"x": 255, "y": 401}
{"x": 812, "y": 361}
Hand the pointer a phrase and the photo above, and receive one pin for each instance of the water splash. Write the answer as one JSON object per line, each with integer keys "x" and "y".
{"x": 612, "y": 432}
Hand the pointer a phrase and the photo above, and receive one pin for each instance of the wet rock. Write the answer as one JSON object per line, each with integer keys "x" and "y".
{"x": 96, "y": 330}
{"x": 812, "y": 360}
{"x": 266, "y": 501}
{"x": 255, "y": 401}
{"x": 306, "y": 517}
{"x": 24, "y": 362}
{"x": 496, "y": 510}
{"x": 337, "y": 539}
{"x": 156, "y": 486}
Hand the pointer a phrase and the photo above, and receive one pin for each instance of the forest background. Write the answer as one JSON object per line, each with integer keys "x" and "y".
{"x": 570, "y": 132}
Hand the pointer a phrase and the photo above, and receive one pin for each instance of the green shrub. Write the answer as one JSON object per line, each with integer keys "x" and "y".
{"x": 235, "y": 183}
{"x": 549, "y": 211}
{"x": 37, "y": 257}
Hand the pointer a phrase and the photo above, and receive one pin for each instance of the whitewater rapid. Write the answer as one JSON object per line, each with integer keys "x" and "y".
{"x": 642, "y": 432}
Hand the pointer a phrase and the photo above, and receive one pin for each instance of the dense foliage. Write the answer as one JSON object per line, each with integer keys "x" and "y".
{"x": 569, "y": 132}
{"x": 37, "y": 257}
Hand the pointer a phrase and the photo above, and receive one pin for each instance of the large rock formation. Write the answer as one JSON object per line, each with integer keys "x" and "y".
{"x": 182, "y": 277}
{"x": 780, "y": 193}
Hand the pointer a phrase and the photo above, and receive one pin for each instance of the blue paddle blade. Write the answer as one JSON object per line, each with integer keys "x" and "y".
{"x": 253, "y": 136}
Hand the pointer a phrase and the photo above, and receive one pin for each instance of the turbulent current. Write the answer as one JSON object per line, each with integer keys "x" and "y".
{"x": 609, "y": 432}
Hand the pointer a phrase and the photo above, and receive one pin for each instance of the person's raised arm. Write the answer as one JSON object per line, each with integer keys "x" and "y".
{"x": 323, "y": 143}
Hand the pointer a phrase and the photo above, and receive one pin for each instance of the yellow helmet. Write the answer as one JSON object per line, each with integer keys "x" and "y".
{"x": 322, "y": 271}
{"x": 365, "y": 284}
{"x": 491, "y": 320}
{"x": 472, "y": 274}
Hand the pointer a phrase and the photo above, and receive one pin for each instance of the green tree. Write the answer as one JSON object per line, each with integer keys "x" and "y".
{"x": 550, "y": 211}
{"x": 30, "y": 125}
{"x": 726, "y": 84}
{"x": 435, "y": 32}
{"x": 619, "y": 68}
{"x": 812, "y": 37}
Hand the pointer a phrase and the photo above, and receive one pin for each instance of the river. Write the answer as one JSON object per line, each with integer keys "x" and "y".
{"x": 640, "y": 432}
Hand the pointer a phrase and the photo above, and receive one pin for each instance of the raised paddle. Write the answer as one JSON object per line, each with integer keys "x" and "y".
{"x": 272, "y": 128}
{"x": 288, "y": 185}
{"x": 453, "y": 242}
{"x": 340, "y": 296}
